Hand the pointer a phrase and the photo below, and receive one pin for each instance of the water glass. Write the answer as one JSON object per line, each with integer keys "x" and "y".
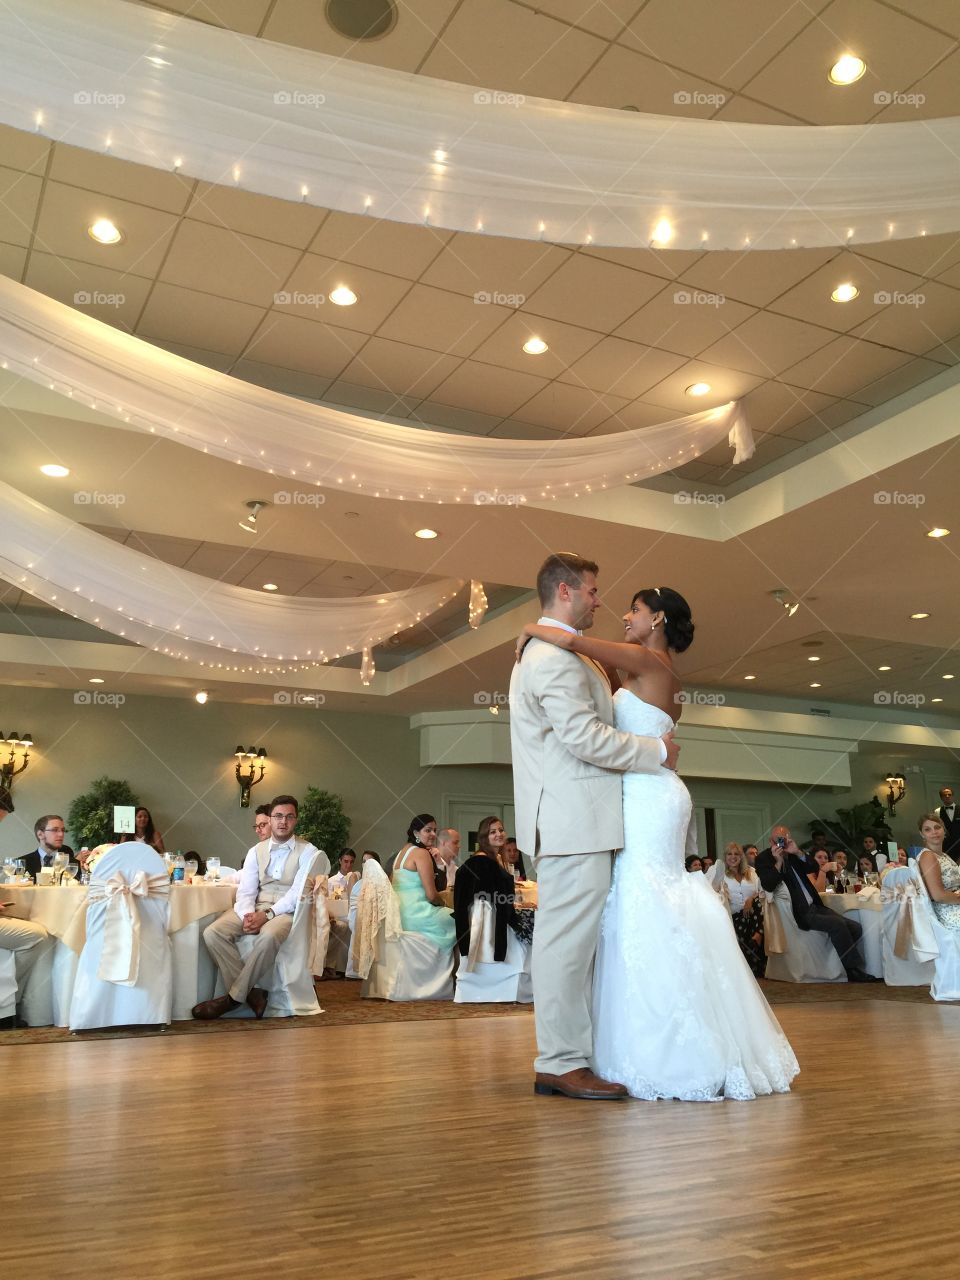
{"x": 213, "y": 869}
{"x": 192, "y": 867}
{"x": 20, "y": 870}
{"x": 9, "y": 869}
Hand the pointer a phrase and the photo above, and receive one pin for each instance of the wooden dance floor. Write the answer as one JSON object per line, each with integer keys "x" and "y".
{"x": 419, "y": 1150}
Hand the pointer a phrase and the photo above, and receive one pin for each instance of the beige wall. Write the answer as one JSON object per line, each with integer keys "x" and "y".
{"x": 178, "y": 758}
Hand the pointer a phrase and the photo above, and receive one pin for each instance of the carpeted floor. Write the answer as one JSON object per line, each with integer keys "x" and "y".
{"x": 342, "y": 1006}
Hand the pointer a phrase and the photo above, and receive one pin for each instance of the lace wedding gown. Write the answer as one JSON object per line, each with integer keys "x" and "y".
{"x": 676, "y": 1011}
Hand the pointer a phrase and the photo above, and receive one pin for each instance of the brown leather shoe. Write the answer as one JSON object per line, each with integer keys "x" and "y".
{"x": 257, "y": 1000}
{"x": 210, "y": 1009}
{"x": 579, "y": 1083}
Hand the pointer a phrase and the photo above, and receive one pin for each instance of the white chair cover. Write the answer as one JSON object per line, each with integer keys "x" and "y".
{"x": 291, "y": 992}
{"x": 8, "y": 984}
{"x": 124, "y": 973}
{"x": 395, "y": 965}
{"x": 909, "y": 943}
{"x": 946, "y": 965}
{"x": 807, "y": 956}
{"x": 480, "y": 978}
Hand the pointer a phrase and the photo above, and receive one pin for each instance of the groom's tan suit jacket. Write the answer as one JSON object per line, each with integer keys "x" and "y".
{"x": 567, "y": 756}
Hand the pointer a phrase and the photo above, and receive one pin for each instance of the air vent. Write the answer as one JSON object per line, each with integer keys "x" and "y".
{"x": 362, "y": 19}
{"x": 820, "y": 711}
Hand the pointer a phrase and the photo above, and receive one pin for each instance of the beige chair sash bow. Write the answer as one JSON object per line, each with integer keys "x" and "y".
{"x": 120, "y": 957}
{"x": 481, "y": 924}
{"x": 914, "y": 938}
{"x": 320, "y": 936}
{"x": 774, "y": 938}
{"x": 376, "y": 905}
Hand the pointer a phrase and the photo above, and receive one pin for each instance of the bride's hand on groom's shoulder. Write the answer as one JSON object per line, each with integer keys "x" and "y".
{"x": 673, "y": 751}
{"x": 552, "y": 635}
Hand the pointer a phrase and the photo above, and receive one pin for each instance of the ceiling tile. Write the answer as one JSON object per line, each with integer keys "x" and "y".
{"x": 399, "y": 368}
{"x": 924, "y": 255}
{"x": 227, "y": 263}
{"x": 283, "y": 221}
{"x": 826, "y": 421}
{"x": 501, "y": 46}
{"x": 444, "y": 417}
{"x": 110, "y": 176}
{"x": 351, "y": 395}
{"x": 843, "y": 366}
{"x": 632, "y": 417}
{"x": 307, "y": 293}
{"x": 487, "y": 390}
{"x": 175, "y": 551}
{"x": 625, "y": 78}
{"x": 19, "y": 199}
{"x": 755, "y": 277}
{"x": 810, "y": 300}
{"x": 491, "y": 265}
{"x": 938, "y": 13}
{"x": 901, "y": 380}
{"x": 566, "y": 345}
{"x": 289, "y": 382}
{"x": 774, "y": 408}
{"x": 592, "y": 293}
{"x": 766, "y": 344}
{"x": 951, "y": 277}
{"x": 12, "y": 258}
{"x": 625, "y": 369}
{"x": 947, "y": 351}
{"x": 916, "y": 321}
{"x": 668, "y": 263}
{"x": 710, "y": 43}
{"x": 225, "y": 564}
{"x": 573, "y": 410}
{"x": 210, "y": 359}
{"x": 725, "y": 385}
{"x": 198, "y": 319}
{"x": 112, "y": 296}
{"x": 236, "y": 15}
{"x": 514, "y": 429}
{"x": 66, "y": 212}
{"x": 290, "y": 573}
{"x": 744, "y": 110}
{"x": 442, "y": 321}
{"x": 304, "y": 345}
{"x": 398, "y": 248}
{"x": 934, "y": 95}
{"x": 26, "y": 151}
{"x": 684, "y": 320}
{"x": 896, "y": 49}
{"x": 605, "y": 18}
{"x": 418, "y": 26}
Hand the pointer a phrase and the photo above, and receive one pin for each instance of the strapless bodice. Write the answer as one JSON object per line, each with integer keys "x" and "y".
{"x": 633, "y": 715}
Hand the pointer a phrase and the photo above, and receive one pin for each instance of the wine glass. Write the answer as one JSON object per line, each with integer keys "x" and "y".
{"x": 70, "y": 872}
{"x": 9, "y": 869}
{"x": 192, "y": 866}
{"x": 213, "y": 869}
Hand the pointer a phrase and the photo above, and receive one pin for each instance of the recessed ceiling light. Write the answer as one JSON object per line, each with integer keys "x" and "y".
{"x": 847, "y": 70}
{"x": 95, "y": 680}
{"x": 918, "y": 616}
{"x": 54, "y": 469}
{"x": 815, "y": 684}
{"x": 948, "y": 677}
{"x": 341, "y": 296}
{"x": 351, "y": 515}
{"x": 662, "y": 232}
{"x": 698, "y": 388}
{"x": 938, "y": 533}
{"x": 883, "y": 668}
{"x": 105, "y": 232}
{"x": 535, "y": 346}
{"x": 270, "y": 586}
{"x": 813, "y": 658}
{"x": 845, "y": 292}
{"x": 201, "y": 696}
{"x": 426, "y": 534}
{"x": 749, "y": 677}
{"x": 441, "y": 157}
{"x": 936, "y": 699}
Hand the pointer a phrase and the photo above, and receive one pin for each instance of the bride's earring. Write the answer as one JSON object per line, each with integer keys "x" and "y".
{"x": 653, "y": 625}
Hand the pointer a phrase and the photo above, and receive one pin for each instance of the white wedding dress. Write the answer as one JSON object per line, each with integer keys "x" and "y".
{"x": 676, "y": 1011}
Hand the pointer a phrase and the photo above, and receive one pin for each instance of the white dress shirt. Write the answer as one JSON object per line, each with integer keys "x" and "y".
{"x": 338, "y": 881}
{"x": 249, "y": 886}
{"x": 738, "y": 891}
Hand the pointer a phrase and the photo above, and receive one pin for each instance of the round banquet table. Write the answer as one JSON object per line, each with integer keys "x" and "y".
{"x": 868, "y": 912}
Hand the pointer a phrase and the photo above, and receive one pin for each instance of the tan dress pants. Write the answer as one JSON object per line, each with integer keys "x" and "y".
{"x": 240, "y": 975}
{"x": 28, "y": 942}
{"x": 571, "y": 889}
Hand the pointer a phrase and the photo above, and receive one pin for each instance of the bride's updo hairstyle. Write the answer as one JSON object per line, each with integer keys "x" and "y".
{"x": 677, "y": 620}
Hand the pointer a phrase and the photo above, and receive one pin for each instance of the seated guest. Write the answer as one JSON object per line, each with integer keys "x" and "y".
{"x": 821, "y": 866}
{"x": 941, "y": 875}
{"x": 818, "y": 841}
{"x": 692, "y": 862}
{"x": 445, "y": 856}
{"x": 272, "y": 882}
{"x": 784, "y": 863}
{"x": 50, "y": 833}
{"x": 843, "y": 874}
{"x": 867, "y": 865}
{"x": 414, "y": 882}
{"x": 750, "y": 853}
{"x": 345, "y": 877}
{"x": 338, "y": 946}
{"x": 28, "y": 941}
{"x": 146, "y": 832}
{"x": 512, "y": 859}
{"x": 421, "y": 834}
{"x": 707, "y": 861}
{"x": 483, "y": 873}
{"x": 869, "y": 850}
{"x": 368, "y": 853}
{"x": 261, "y": 821}
{"x": 736, "y": 882}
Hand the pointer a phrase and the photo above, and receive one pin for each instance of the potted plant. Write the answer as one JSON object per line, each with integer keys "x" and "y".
{"x": 90, "y": 821}
{"x": 323, "y": 822}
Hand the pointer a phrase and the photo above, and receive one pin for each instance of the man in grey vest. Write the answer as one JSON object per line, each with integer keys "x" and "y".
{"x": 272, "y": 882}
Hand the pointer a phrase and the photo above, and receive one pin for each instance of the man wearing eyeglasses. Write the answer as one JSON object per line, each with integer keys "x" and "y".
{"x": 27, "y": 941}
{"x": 51, "y": 833}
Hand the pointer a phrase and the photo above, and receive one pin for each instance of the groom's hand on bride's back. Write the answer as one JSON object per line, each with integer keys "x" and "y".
{"x": 673, "y": 751}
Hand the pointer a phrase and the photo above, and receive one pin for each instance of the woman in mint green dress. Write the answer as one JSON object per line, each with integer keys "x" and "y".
{"x": 421, "y": 908}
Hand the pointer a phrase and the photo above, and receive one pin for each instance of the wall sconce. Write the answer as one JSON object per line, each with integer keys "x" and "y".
{"x": 253, "y": 757}
{"x": 896, "y": 790}
{"x": 10, "y": 767}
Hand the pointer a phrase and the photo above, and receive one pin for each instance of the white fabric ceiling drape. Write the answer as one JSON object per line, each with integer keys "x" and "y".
{"x": 147, "y": 389}
{"x": 151, "y": 87}
{"x": 185, "y": 615}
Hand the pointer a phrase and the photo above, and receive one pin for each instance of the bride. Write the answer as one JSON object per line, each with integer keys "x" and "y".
{"x": 676, "y": 1011}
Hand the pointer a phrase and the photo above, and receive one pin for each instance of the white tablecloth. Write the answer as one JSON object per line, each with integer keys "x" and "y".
{"x": 868, "y": 913}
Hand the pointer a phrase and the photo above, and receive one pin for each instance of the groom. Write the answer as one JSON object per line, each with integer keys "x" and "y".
{"x": 568, "y": 795}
